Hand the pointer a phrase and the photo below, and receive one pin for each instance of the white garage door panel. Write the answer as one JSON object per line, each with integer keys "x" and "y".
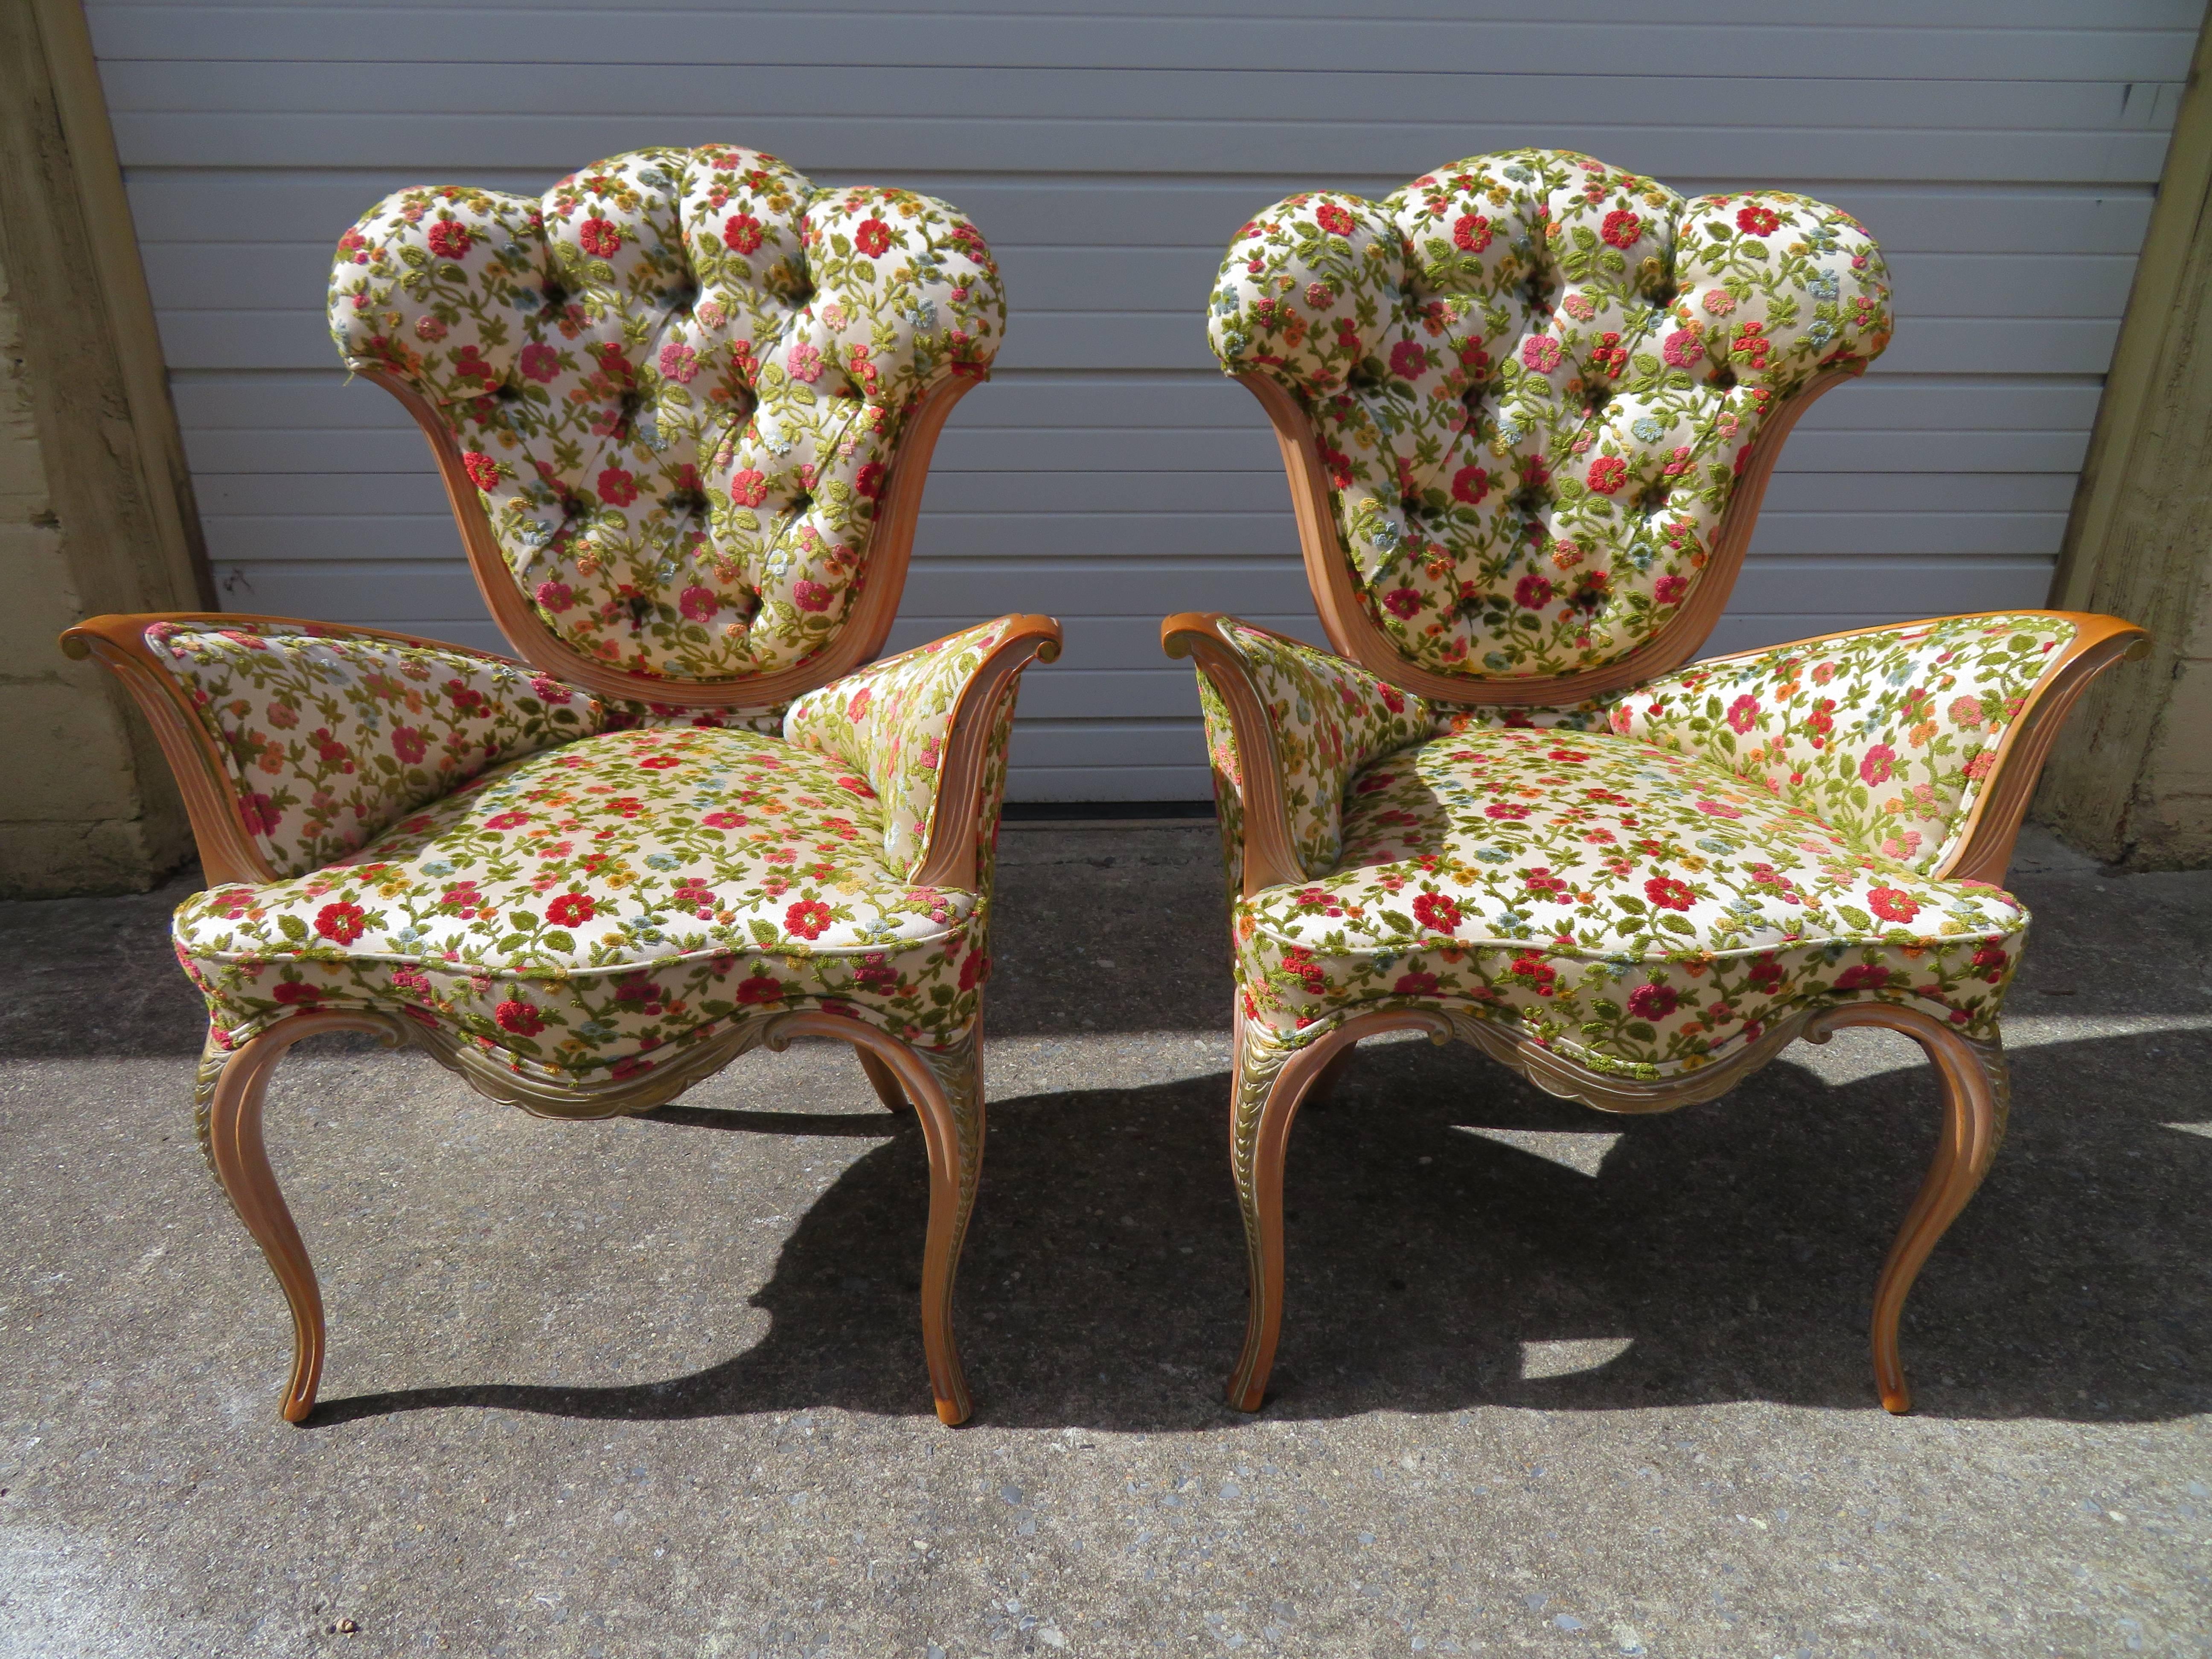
{"x": 2005, "y": 154}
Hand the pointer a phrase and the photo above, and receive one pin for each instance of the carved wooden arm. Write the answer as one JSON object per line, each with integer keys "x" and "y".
{"x": 1922, "y": 741}
{"x": 928, "y": 729}
{"x": 294, "y": 742}
{"x": 1287, "y": 726}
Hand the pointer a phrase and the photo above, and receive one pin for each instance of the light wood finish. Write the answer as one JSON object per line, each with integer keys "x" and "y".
{"x": 955, "y": 816}
{"x": 945, "y": 1086}
{"x": 228, "y": 851}
{"x": 1353, "y": 631}
{"x": 1271, "y": 1082}
{"x": 1271, "y": 856}
{"x": 867, "y": 626}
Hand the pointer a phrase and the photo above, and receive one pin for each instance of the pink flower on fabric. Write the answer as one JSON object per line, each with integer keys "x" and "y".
{"x": 1532, "y": 593}
{"x": 741, "y": 232}
{"x": 1471, "y": 233}
{"x": 678, "y": 362}
{"x": 554, "y": 596}
{"x": 1402, "y": 603}
{"x": 1743, "y": 714}
{"x": 1653, "y": 1001}
{"x": 1470, "y": 484}
{"x": 519, "y": 1017}
{"x": 407, "y": 744}
{"x": 810, "y": 595}
{"x": 1408, "y": 362}
{"x": 1607, "y": 473}
{"x": 1866, "y": 977}
{"x": 616, "y": 487}
{"x": 1682, "y": 347}
{"x": 1333, "y": 219}
{"x": 805, "y": 363}
{"x": 1878, "y": 763}
{"x": 808, "y": 918}
{"x": 1670, "y": 590}
{"x": 874, "y": 238}
{"x": 1621, "y": 229}
{"x": 1541, "y": 353}
{"x": 748, "y": 488}
{"x": 1668, "y": 894}
{"x": 1756, "y": 221}
{"x": 482, "y": 470}
{"x": 600, "y": 237}
{"x": 698, "y": 602}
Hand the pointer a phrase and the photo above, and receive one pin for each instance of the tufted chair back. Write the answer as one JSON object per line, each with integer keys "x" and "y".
{"x": 1535, "y": 387}
{"x": 683, "y": 402}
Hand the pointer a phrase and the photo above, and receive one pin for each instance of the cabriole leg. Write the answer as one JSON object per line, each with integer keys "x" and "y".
{"x": 1976, "y": 1094}
{"x": 1270, "y": 1084}
{"x": 947, "y": 1086}
{"x": 884, "y": 1080}
{"x": 230, "y": 1095}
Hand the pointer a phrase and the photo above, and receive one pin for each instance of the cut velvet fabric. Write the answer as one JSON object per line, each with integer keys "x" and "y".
{"x": 1640, "y": 911}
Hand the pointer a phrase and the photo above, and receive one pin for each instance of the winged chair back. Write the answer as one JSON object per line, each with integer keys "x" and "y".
{"x": 683, "y": 406}
{"x": 1529, "y": 403}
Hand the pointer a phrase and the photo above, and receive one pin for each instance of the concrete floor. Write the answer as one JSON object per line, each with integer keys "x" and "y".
{"x": 1549, "y": 1382}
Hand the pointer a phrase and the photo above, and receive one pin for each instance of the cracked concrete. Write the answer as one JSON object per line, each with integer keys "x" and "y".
{"x": 1550, "y": 1382}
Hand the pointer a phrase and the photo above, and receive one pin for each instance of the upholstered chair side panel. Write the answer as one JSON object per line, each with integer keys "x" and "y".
{"x": 1887, "y": 734}
{"x": 1329, "y": 718}
{"x": 906, "y": 725}
{"x": 329, "y": 735}
{"x": 680, "y": 383}
{"x": 1534, "y": 382}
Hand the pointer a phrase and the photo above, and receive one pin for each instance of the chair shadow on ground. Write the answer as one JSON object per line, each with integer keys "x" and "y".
{"x": 1732, "y": 1248}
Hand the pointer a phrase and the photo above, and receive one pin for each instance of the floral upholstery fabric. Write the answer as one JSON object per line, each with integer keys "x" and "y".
{"x": 679, "y": 380}
{"x": 582, "y": 911}
{"x": 327, "y": 735}
{"x": 1534, "y": 379}
{"x": 1887, "y": 734}
{"x": 1640, "y": 911}
{"x": 889, "y": 722}
{"x": 1330, "y": 717}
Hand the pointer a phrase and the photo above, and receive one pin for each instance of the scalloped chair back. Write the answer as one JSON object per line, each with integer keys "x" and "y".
{"x": 1535, "y": 386}
{"x": 673, "y": 400}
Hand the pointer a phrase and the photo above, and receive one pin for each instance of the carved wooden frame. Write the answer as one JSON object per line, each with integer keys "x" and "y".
{"x": 1272, "y": 1080}
{"x": 945, "y": 1086}
{"x": 890, "y": 546}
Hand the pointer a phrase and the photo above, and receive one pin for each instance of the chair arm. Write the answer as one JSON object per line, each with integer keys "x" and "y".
{"x": 1287, "y": 725}
{"x": 1921, "y": 741}
{"x": 927, "y": 730}
{"x": 294, "y": 742}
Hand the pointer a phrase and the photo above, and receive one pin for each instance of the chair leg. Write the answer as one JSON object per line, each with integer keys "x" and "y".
{"x": 1976, "y": 1095}
{"x": 1269, "y": 1085}
{"x": 884, "y": 1079}
{"x": 946, "y": 1085}
{"x": 231, "y": 1094}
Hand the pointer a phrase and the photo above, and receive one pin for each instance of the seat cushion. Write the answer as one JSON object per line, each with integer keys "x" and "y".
{"x": 1642, "y": 911}
{"x": 581, "y": 908}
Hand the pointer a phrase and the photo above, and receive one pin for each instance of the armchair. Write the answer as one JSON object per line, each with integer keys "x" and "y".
{"x": 1528, "y": 406}
{"x": 683, "y": 408}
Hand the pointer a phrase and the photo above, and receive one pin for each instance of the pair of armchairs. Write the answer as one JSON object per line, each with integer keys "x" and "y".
{"x": 684, "y": 408}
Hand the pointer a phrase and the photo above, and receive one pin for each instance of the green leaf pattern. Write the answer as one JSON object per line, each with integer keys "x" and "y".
{"x": 679, "y": 380}
{"x": 1534, "y": 379}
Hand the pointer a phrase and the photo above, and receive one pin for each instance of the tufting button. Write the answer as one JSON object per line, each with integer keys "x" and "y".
{"x": 1723, "y": 376}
